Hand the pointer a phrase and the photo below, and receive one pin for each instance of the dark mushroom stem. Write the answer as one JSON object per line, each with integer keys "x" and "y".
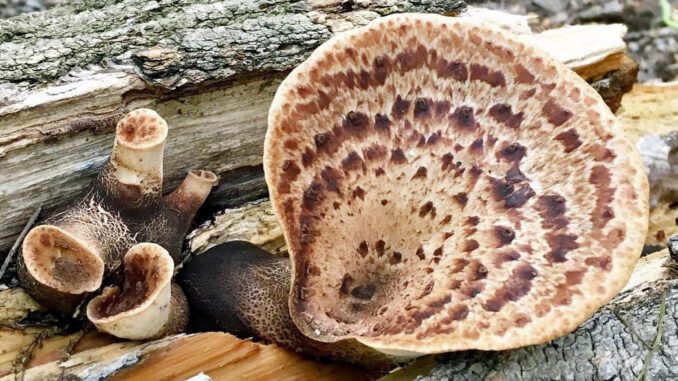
{"x": 244, "y": 290}
{"x": 66, "y": 257}
{"x": 191, "y": 193}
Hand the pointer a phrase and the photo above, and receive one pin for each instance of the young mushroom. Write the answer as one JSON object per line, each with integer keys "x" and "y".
{"x": 441, "y": 186}
{"x": 148, "y": 304}
{"x": 66, "y": 257}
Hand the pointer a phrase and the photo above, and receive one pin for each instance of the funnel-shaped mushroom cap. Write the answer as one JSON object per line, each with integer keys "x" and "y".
{"x": 442, "y": 186}
{"x": 61, "y": 266}
{"x": 141, "y": 308}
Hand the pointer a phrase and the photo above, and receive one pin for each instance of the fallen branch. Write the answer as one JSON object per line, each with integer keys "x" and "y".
{"x": 212, "y": 78}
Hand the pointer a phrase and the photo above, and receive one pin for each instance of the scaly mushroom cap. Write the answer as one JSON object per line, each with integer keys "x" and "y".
{"x": 442, "y": 186}
{"x": 142, "y": 307}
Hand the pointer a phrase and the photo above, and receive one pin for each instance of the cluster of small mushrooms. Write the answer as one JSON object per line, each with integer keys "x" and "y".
{"x": 440, "y": 185}
{"x": 122, "y": 220}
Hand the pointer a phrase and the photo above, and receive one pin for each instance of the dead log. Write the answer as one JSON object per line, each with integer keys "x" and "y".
{"x": 209, "y": 68}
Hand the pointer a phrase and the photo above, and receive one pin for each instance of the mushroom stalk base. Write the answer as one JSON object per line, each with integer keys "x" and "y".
{"x": 241, "y": 289}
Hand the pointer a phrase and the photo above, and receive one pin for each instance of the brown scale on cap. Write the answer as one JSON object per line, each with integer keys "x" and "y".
{"x": 66, "y": 256}
{"x": 449, "y": 119}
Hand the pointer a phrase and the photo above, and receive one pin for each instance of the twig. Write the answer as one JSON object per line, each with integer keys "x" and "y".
{"x": 666, "y": 14}
{"x": 19, "y": 365}
{"x": 15, "y": 247}
{"x": 657, "y": 339}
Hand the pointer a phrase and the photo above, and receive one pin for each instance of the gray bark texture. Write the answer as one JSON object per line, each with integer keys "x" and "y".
{"x": 614, "y": 344}
{"x": 210, "y": 68}
{"x": 177, "y": 42}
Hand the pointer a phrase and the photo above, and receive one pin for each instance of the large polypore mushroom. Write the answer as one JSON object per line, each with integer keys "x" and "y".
{"x": 65, "y": 257}
{"x": 442, "y": 186}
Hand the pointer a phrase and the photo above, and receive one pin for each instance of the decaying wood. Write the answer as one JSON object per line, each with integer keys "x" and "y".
{"x": 223, "y": 357}
{"x": 14, "y": 305}
{"x": 217, "y": 355}
{"x": 650, "y": 109}
{"x": 210, "y": 68}
{"x": 254, "y": 222}
{"x": 15, "y": 247}
{"x": 597, "y": 53}
{"x": 612, "y": 85}
{"x": 588, "y": 45}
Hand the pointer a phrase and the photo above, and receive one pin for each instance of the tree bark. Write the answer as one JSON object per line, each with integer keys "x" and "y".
{"x": 210, "y": 68}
